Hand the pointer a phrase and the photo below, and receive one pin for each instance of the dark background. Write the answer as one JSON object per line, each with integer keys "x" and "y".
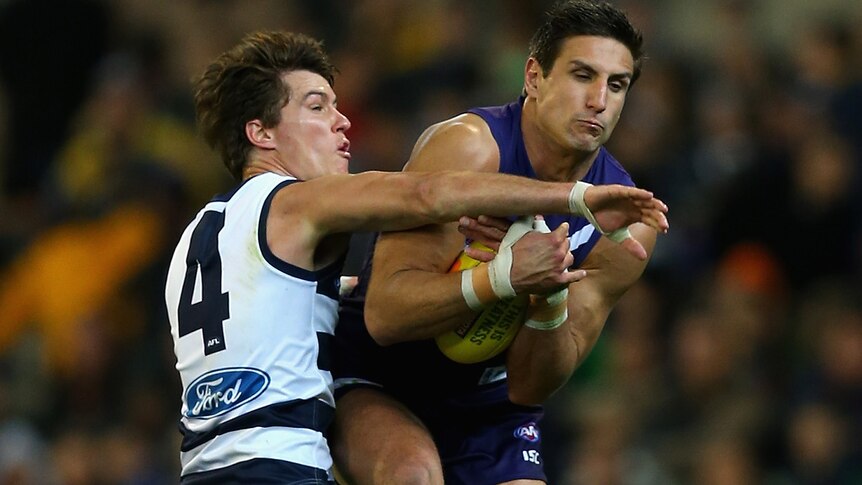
{"x": 737, "y": 359}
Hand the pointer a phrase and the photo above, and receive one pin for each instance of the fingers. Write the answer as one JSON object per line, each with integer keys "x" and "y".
{"x": 634, "y": 247}
{"x": 488, "y": 234}
{"x": 561, "y": 232}
{"x": 654, "y": 219}
{"x": 496, "y": 222}
{"x": 574, "y": 276}
{"x": 637, "y": 193}
{"x": 480, "y": 255}
{"x": 658, "y": 222}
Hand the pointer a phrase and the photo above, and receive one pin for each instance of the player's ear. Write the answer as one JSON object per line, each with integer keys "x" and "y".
{"x": 532, "y": 73}
{"x": 258, "y": 135}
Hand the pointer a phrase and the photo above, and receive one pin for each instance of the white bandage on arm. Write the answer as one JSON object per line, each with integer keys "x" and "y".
{"x": 469, "y": 292}
{"x": 489, "y": 282}
{"x": 579, "y": 207}
{"x": 547, "y": 312}
{"x": 500, "y": 268}
{"x": 476, "y": 287}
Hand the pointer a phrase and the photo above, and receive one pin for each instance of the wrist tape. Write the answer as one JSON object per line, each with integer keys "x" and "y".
{"x": 577, "y": 206}
{"x": 489, "y": 282}
{"x": 547, "y": 312}
{"x": 476, "y": 287}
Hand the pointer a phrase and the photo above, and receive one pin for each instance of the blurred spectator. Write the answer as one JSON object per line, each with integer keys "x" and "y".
{"x": 736, "y": 359}
{"x": 46, "y": 78}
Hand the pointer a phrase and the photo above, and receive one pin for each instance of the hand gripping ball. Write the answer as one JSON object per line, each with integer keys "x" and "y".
{"x": 491, "y": 331}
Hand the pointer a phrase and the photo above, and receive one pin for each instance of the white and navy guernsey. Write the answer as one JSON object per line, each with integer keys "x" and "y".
{"x": 252, "y": 337}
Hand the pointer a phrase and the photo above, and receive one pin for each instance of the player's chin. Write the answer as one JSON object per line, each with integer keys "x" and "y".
{"x": 586, "y": 144}
{"x": 342, "y": 165}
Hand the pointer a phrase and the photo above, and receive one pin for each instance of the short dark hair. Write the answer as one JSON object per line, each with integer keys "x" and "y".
{"x": 570, "y": 18}
{"x": 244, "y": 83}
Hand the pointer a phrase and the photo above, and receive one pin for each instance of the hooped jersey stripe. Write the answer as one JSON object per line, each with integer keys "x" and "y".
{"x": 310, "y": 413}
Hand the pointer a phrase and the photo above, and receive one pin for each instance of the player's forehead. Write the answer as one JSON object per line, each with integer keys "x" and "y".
{"x": 603, "y": 54}
{"x": 304, "y": 84}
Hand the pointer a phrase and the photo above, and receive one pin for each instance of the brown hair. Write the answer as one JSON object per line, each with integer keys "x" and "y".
{"x": 244, "y": 83}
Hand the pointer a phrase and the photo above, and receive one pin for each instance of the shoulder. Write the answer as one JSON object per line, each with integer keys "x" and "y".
{"x": 608, "y": 170}
{"x": 463, "y": 142}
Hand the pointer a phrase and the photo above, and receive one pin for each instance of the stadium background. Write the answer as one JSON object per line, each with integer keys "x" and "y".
{"x": 736, "y": 360}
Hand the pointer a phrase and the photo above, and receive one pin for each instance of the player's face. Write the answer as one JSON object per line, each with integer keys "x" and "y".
{"x": 311, "y": 136}
{"x": 580, "y": 100}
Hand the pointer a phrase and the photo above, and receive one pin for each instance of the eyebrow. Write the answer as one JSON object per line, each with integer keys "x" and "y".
{"x": 617, "y": 75}
{"x": 322, "y": 94}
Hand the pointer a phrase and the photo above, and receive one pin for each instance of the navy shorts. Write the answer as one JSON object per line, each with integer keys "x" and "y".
{"x": 486, "y": 442}
{"x": 483, "y": 438}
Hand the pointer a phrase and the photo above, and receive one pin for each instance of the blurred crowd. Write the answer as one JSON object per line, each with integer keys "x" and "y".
{"x": 737, "y": 359}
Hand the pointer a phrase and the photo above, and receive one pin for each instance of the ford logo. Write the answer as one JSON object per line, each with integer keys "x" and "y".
{"x": 221, "y": 390}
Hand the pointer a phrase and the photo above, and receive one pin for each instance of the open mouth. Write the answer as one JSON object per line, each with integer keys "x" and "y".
{"x": 344, "y": 149}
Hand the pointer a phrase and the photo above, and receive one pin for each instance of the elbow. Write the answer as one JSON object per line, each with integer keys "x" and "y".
{"x": 380, "y": 324}
{"x": 525, "y": 391}
{"x": 534, "y": 389}
{"x": 429, "y": 197}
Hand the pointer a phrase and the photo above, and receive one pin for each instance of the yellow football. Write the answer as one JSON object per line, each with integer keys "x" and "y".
{"x": 491, "y": 331}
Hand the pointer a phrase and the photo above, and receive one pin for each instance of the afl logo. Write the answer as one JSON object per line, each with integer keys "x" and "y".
{"x": 528, "y": 432}
{"x": 221, "y": 390}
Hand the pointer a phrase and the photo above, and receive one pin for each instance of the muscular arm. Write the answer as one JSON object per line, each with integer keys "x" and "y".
{"x": 540, "y": 362}
{"x": 409, "y": 276}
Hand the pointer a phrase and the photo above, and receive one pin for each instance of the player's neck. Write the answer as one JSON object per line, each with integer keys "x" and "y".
{"x": 259, "y": 165}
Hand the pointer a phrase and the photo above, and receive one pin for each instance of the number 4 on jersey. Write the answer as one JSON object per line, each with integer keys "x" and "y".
{"x": 212, "y": 310}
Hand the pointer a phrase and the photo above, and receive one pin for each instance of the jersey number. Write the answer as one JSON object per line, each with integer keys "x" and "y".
{"x": 212, "y": 310}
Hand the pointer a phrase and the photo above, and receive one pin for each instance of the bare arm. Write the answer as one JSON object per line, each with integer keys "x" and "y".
{"x": 540, "y": 361}
{"x": 304, "y": 214}
{"x": 410, "y": 267}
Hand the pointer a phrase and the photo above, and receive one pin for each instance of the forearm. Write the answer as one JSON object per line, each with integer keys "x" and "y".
{"x": 453, "y": 194}
{"x": 411, "y": 295}
{"x": 540, "y": 362}
{"x": 377, "y": 201}
{"x": 434, "y": 306}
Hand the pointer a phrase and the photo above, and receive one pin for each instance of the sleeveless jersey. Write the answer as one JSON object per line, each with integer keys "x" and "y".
{"x": 505, "y": 124}
{"x": 415, "y": 371}
{"x": 251, "y": 335}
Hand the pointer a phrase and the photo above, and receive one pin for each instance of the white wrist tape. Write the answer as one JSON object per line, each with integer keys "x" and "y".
{"x": 500, "y": 268}
{"x": 547, "y": 312}
{"x": 577, "y": 206}
{"x": 469, "y": 293}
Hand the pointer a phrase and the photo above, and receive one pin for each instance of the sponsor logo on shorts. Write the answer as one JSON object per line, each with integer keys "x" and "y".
{"x": 528, "y": 432}
{"x": 221, "y": 390}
